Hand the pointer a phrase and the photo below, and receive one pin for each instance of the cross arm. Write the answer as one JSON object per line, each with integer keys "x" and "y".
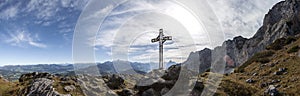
{"x": 168, "y": 38}
{"x": 154, "y": 40}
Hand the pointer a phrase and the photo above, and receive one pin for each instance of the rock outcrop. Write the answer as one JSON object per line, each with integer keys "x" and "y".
{"x": 160, "y": 82}
{"x": 39, "y": 84}
{"x": 43, "y": 87}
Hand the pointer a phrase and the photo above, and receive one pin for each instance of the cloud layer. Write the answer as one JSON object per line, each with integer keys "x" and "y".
{"x": 241, "y": 17}
{"x": 22, "y": 38}
{"x": 237, "y": 17}
{"x": 49, "y": 24}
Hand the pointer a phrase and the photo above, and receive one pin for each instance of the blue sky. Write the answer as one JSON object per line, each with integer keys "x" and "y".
{"x": 37, "y": 31}
{"x": 41, "y": 31}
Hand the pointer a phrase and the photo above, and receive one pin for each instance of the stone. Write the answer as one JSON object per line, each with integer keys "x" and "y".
{"x": 114, "y": 81}
{"x": 254, "y": 74}
{"x": 275, "y": 81}
{"x": 126, "y": 92}
{"x": 164, "y": 91}
{"x": 277, "y": 73}
{"x": 69, "y": 88}
{"x": 262, "y": 85}
{"x": 149, "y": 81}
{"x": 272, "y": 91}
{"x": 149, "y": 92}
{"x": 43, "y": 87}
{"x": 263, "y": 65}
{"x": 282, "y": 69}
{"x": 111, "y": 93}
{"x": 250, "y": 81}
{"x": 64, "y": 79}
{"x": 272, "y": 65}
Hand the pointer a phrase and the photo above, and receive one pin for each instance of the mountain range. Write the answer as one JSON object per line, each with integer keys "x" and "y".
{"x": 13, "y": 72}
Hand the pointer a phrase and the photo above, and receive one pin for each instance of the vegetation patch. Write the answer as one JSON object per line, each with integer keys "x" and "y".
{"x": 232, "y": 88}
{"x": 293, "y": 49}
{"x": 280, "y": 43}
{"x": 261, "y": 57}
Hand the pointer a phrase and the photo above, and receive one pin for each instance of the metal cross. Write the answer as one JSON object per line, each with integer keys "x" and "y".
{"x": 161, "y": 39}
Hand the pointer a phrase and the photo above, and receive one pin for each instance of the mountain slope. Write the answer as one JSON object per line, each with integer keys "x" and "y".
{"x": 281, "y": 70}
{"x": 281, "y": 21}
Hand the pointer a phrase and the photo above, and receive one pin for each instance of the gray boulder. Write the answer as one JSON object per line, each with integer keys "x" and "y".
{"x": 272, "y": 91}
{"x": 43, "y": 87}
{"x": 250, "y": 81}
{"x": 69, "y": 88}
{"x": 150, "y": 92}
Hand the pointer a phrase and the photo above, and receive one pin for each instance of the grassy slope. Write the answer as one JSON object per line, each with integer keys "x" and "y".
{"x": 289, "y": 82}
{"x": 5, "y": 87}
{"x": 17, "y": 88}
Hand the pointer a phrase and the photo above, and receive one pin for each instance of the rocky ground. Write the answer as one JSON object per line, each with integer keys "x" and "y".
{"x": 157, "y": 82}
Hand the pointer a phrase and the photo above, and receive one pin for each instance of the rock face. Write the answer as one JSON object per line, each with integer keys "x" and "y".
{"x": 43, "y": 87}
{"x": 281, "y": 21}
{"x": 272, "y": 91}
{"x": 35, "y": 75}
{"x": 160, "y": 82}
{"x": 40, "y": 84}
{"x": 114, "y": 81}
{"x": 69, "y": 88}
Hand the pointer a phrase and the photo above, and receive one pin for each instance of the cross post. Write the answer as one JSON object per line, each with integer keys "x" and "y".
{"x": 161, "y": 39}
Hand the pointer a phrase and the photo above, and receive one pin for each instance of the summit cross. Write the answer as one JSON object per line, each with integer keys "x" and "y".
{"x": 161, "y": 39}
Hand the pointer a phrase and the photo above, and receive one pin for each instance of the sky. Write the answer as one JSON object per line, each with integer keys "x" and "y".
{"x": 41, "y": 31}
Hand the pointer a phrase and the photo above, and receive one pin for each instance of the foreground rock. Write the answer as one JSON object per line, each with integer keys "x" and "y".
{"x": 272, "y": 91}
{"x": 45, "y": 84}
{"x": 160, "y": 82}
{"x": 43, "y": 87}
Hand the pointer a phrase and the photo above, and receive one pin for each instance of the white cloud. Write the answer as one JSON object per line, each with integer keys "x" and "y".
{"x": 22, "y": 38}
{"x": 241, "y": 17}
{"x": 40, "y": 45}
{"x": 49, "y": 11}
{"x": 43, "y": 9}
{"x": 126, "y": 22}
{"x": 9, "y": 13}
{"x": 126, "y": 27}
{"x": 66, "y": 3}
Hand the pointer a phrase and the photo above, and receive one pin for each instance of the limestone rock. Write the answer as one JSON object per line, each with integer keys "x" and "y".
{"x": 149, "y": 92}
{"x": 43, "y": 87}
{"x": 69, "y": 88}
{"x": 272, "y": 91}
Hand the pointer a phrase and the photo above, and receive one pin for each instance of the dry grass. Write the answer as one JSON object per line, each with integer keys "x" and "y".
{"x": 289, "y": 82}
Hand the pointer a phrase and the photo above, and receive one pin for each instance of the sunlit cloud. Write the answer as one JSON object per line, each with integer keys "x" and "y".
{"x": 22, "y": 38}
{"x": 241, "y": 17}
{"x": 237, "y": 17}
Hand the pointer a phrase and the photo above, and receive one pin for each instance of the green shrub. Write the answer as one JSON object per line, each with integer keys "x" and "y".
{"x": 263, "y": 60}
{"x": 280, "y": 43}
{"x": 293, "y": 49}
{"x": 289, "y": 40}
{"x": 277, "y": 45}
{"x": 263, "y": 54}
